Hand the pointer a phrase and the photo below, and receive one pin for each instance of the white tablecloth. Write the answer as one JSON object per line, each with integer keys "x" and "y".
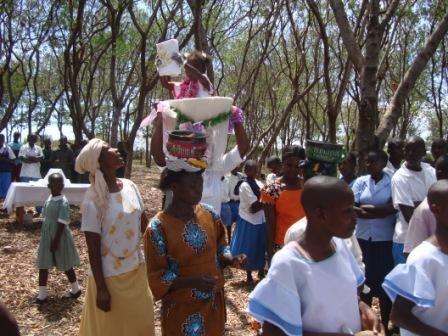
{"x": 26, "y": 194}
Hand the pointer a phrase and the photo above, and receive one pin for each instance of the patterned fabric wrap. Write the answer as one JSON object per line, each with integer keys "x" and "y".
{"x": 178, "y": 248}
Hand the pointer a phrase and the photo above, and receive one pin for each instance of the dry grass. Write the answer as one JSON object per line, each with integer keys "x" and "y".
{"x": 18, "y": 275}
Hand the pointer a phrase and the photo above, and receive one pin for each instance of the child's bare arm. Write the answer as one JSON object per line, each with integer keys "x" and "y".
{"x": 157, "y": 141}
{"x": 369, "y": 319}
{"x": 103, "y": 298}
{"x": 241, "y": 139}
{"x": 256, "y": 206}
{"x": 403, "y": 317}
{"x": 407, "y": 211}
{"x": 379, "y": 211}
{"x": 362, "y": 213}
{"x": 167, "y": 84}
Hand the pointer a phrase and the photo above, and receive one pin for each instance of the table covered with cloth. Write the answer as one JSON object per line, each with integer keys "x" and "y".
{"x": 33, "y": 194}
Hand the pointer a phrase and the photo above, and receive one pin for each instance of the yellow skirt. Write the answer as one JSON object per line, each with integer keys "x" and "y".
{"x": 132, "y": 310}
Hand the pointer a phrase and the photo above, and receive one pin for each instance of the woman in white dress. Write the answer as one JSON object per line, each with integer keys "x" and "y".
{"x": 118, "y": 299}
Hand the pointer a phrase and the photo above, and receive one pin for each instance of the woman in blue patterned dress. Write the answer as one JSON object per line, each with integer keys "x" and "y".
{"x": 186, "y": 250}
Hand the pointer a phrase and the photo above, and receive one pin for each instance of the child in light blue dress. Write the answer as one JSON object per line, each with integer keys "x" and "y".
{"x": 56, "y": 247}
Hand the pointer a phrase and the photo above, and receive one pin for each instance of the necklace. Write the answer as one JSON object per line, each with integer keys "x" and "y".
{"x": 188, "y": 89}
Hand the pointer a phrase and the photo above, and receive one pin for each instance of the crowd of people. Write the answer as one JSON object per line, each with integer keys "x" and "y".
{"x": 322, "y": 247}
{"x": 300, "y": 232}
{"x": 25, "y": 162}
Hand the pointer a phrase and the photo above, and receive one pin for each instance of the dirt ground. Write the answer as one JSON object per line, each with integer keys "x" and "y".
{"x": 18, "y": 275}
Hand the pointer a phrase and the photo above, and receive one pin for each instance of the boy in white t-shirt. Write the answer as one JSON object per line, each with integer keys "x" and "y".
{"x": 409, "y": 185}
{"x": 419, "y": 288}
{"x": 312, "y": 285}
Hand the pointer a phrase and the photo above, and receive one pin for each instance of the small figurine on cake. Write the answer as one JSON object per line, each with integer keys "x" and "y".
{"x": 196, "y": 83}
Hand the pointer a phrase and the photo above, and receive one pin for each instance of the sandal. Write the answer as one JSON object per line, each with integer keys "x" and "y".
{"x": 40, "y": 301}
{"x": 70, "y": 295}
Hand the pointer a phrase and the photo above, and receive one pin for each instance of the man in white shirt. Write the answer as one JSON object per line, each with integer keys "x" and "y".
{"x": 31, "y": 155}
{"x": 395, "y": 151}
{"x": 410, "y": 185}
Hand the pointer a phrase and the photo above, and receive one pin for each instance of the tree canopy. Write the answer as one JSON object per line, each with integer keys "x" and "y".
{"x": 352, "y": 72}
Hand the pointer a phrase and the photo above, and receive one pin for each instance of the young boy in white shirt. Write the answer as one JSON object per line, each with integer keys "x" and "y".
{"x": 410, "y": 184}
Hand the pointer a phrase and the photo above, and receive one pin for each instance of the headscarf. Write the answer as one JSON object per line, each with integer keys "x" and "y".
{"x": 88, "y": 162}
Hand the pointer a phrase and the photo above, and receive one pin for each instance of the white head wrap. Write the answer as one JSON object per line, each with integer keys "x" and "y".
{"x": 88, "y": 162}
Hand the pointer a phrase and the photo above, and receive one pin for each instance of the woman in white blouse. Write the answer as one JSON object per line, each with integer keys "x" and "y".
{"x": 118, "y": 299}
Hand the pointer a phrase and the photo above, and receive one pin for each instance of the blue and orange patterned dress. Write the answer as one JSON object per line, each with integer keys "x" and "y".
{"x": 174, "y": 248}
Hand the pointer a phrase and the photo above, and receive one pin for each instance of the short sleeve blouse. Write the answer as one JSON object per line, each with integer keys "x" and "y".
{"x": 300, "y": 295}
{"x": 422, "y": 280}
{"x": 366, "y": 191}
{"x": 120, "y": 229}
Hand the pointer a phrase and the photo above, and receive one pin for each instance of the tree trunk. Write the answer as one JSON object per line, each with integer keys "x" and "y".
{"x": 332, "y": 118}
{"x": 117, "y": 97}
{"x": 116, "y": 112}
{"x": 393, "y": 110}
{"x": 350, "y": 43}
{"x": 368, "y": 107}
{"x": 200, "y": 35}
{"x": 72, "y": 67}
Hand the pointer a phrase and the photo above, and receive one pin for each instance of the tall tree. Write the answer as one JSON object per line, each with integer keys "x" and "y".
{"x": 366, "y": 65}
{"x": 393, "y": 110}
